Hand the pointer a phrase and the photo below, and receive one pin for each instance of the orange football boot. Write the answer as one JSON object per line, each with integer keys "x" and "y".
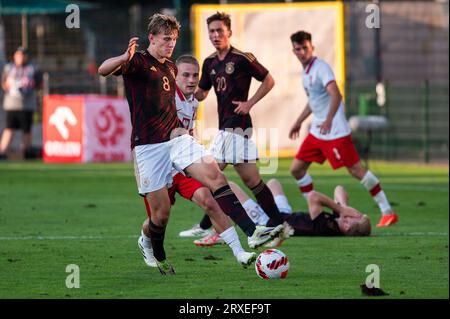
{"x": 388, "y": 220}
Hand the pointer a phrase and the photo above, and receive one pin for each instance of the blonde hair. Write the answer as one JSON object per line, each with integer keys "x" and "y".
{"x": 360, "y": 228}
{"x": 160, "y": 23}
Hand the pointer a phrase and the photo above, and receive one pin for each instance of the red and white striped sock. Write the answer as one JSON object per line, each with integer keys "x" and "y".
{"x": 305, "y": 184}
{"x": 372, "y": 184}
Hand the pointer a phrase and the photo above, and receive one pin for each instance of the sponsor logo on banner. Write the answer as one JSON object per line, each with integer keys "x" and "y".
{"x": 108, "y": 129}
{"x": 61, "y": 119}
{"x": 109, "y": 126}
{"x": 62, "y": 130}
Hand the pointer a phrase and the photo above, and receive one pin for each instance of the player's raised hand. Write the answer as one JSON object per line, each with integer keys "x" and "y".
{"x": 295, "y": 130}
{"x": 132, "y": 45}
{"x": 351, "y": 212}
{"x": 242, "y": 107}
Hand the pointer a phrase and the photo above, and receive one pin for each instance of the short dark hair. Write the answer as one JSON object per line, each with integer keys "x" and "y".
{"x": 301, "y": 36}
{"x": 221, "y": 16}
{"x": 186, "y": 58}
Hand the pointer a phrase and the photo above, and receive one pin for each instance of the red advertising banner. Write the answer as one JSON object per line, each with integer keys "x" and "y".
{"x": 86, "y": 128}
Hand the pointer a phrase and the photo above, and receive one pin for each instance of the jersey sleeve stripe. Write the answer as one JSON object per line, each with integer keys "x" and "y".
{"x": 248, "y": 56}
{"x": 211, "y": 56}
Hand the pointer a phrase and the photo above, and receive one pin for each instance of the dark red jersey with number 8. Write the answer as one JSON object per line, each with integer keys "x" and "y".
{"x": 150, "y": 91}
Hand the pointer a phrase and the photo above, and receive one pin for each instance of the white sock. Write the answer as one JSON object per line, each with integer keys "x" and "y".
{"x": 230, "y": 236}
{"x": 383, "y": 203}
{"x": 369, "y": 181}
{"x": 372, "y": 184}
{"x": 147, "y": 241}
{"x": 305, "y": 184}
{"x": 255, "y": 212}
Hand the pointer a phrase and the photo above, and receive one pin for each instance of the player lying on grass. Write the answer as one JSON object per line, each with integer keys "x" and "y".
{"x": 191, "y": 189}
{"x": 342, "y": 221}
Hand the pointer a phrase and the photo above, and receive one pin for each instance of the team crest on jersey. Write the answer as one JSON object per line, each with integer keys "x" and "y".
{"x": 229, "y": 67}
{"x": 153, "y": 68}
{"x": 213, "y": 72}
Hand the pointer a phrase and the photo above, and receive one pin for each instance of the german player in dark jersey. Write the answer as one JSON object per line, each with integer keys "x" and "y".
{"x": 160, "y": 143}
{"x": 230, "y": 72}
{"x": 231, "y": 76}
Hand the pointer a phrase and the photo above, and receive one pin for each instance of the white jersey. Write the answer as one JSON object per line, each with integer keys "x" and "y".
{"x": 186, "y": 109}
{"x": 187, "y": 113}
{"x": 316, "y": 76}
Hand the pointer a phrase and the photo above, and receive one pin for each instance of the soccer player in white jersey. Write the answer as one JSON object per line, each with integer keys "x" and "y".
{"x": 330, "y": 134}
{"x": 189, "y": 188}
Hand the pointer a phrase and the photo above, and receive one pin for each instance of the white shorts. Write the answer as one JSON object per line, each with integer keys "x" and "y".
{"x": 232, "y": 148}
{"x": 259, "y": 216}
{"x": 153, "y": 163}
{"x": 185, "y": 150}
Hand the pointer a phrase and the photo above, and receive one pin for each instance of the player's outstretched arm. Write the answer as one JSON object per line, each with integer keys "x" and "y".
{"x": 295, "y": 129}
{"x": 243, "y": 107}
{"x": 111, "y": 65}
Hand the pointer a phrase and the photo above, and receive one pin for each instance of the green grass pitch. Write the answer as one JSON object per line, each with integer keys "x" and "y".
{"x": 90, "y": 215}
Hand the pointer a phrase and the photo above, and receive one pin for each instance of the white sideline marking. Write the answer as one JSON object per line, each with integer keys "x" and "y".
{"x": 386, "y": 185}
{"x": 412, "y": 234}
{"x": 431, "y": 234}
{"x": 66, "y": 237}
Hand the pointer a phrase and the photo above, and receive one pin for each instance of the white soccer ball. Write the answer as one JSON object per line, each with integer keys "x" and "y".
{"x": 272, "y": 264}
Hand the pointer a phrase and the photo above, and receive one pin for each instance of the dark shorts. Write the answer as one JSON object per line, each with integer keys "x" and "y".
{"x": 19, "y": 120}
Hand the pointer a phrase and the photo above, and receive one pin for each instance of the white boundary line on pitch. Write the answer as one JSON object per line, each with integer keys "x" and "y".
{"x": 431, "y": 234}
{"x": 5, "y": 238}
{"x": 67, "y": 237}
{"x": 386, "y": 185}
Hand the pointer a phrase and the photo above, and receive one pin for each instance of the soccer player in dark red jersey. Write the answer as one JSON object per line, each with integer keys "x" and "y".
{"x": 230, "y": 72}
{"x": 158, "y": 140}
